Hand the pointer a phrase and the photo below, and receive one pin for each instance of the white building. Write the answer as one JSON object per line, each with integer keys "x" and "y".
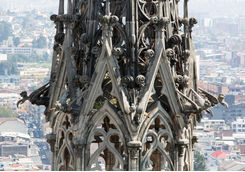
{"x": 238, "y": 126}
{"x": 218, "y": 125}
{"x": 10, "y": 79}
{"x": 208, "y": 22}
{"x": 16, "y": 50}
{"x": 3, "y": 57}
{"x": 13, "y": 125}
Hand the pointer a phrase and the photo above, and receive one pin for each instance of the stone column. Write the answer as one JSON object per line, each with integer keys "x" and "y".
{"x": 134, "y": 148}
{"x": 51, "y": 139}
{"x": 182, "y": 148}
{"x": 79, "y": 145}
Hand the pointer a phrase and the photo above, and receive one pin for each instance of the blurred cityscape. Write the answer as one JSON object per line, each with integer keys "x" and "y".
{"x": 26, "y": 42}
{"x": 220, "y": 47}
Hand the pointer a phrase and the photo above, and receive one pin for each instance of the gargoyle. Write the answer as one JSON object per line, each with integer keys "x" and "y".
{"x": 209, "y": 96}
{"x": 221, "y": 100}
{"x": 37, "y": 97}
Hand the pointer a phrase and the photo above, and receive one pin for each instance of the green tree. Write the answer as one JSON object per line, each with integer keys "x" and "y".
{"x": 6, "y": 112}
{"x": 27, "y": 23}
{"x": 16, "y": 41}
{"x": 199, "y": 162}
{"x": 34, "y": 57}
{"x": 14, "y": 58}
{"x": 40, "y": 42}
{"x": 9, "y": 67}
{"x": 5, "y": 31}
{"x": 45, "y": 56}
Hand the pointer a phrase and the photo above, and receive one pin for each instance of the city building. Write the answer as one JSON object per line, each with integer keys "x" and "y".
{"x": 13, "y": 125}
{"x": 218, "y": 125}
{"x": 238, "y": 126}
{"x": 16, "y": 50}
{"x": 7, "y": 149}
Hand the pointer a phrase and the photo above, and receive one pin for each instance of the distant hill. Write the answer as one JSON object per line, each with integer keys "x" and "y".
{"x": 25, "y": 5}
{"x": 215, "y": 7}
{"x": 218, "y": 7}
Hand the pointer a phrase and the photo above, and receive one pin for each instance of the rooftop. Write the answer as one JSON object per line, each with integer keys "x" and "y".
{"x": 218, "y": 154}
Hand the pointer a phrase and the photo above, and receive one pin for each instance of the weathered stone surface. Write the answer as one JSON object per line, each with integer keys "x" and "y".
{"x": 123, "y": 89}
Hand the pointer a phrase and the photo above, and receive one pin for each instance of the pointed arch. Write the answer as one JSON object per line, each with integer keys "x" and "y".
{"x": 65, "y": 154}
{"x": 65, "y": 159}
{"x": 106, "y": 140}
{"x": 154, "y": 111}
{"x": 109, "y": 110}
{"x": 157, "y": 140}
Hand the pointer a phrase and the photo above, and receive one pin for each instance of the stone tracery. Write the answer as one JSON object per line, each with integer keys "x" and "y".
{"x": 123, "y": 91}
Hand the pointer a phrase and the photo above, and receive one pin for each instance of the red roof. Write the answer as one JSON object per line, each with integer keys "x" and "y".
{"x": 218, "y": 154}
{"x": 16, "y": 165}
